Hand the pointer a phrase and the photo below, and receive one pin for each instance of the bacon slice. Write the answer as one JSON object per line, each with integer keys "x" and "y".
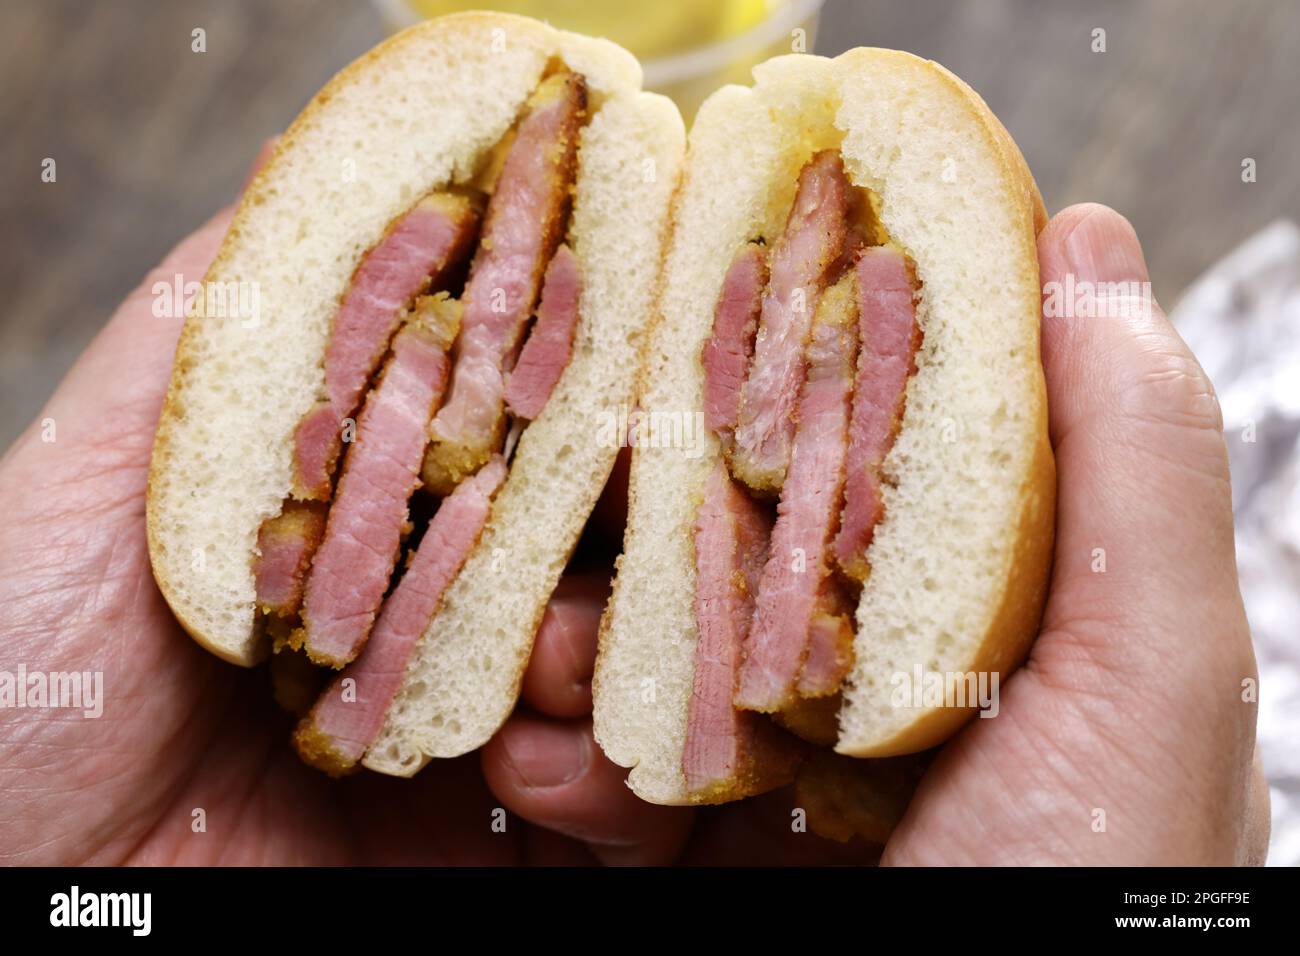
{"x": 521, "y": 230}
{"x": 285, "y": 545}
{"x": 418, "y": 249}
{"x": 814, "y": 236}
{"x": 347, "y": 717}
{"x": 890, "y": 339}
{"x": 830, "y": 653}
{"x": 730, "y": 347}
{"x": 355, "y": 560}
{"x": 795, "y": 575}
{"x": 728, "y": 753}
{"x": 550, "y": 343}
{"x": 317, "y": 443}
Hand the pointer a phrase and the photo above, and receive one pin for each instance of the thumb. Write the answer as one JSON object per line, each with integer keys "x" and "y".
{"x": 1144, "y": 584}
{"x": 1131, "y": 703}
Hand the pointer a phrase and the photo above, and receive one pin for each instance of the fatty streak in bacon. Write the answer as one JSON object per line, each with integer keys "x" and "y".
{"x": 355, "y": 560}
{"x": 285, "y": 545}
{"x": 728, "y": 753}
{"x": 730, "y": 347}
{"x": 418, "y": 250}
{"x": 339, "y": 729}
{"x": 808, "y": 248}
{"x": 549, "y": 345}
{"x": 524, "y": 220}
{"x": 796, "y": 573}
{"x": 890, "y": 339}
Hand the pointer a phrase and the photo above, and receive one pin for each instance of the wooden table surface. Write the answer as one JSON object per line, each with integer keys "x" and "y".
{"x": 150, "y": 138}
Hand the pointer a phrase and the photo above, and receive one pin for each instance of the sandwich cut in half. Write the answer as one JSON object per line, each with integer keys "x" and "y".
{"x": 850, "y": 311}
{"x": 378, "y": 478}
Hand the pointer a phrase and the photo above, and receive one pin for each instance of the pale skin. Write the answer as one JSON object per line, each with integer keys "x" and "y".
{"x": 1130, "y": 703}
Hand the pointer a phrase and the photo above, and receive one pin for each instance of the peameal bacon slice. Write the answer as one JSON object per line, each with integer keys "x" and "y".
{"x": 349, "y": 713}
{"x": 355, "y": 560}
{"x": 728, "y": 753}
{"x": 797, "y": 571}
{"x": 890, "y": 340}
{"x": 417, "y": 250}
{"x": 521, "y": 229}
{"x": 549, "y": 345}
{"x": 285, "y": 545}
{"x": 830, "y": 648}
{"x": 811, "y": 244}
{"x": 730, "y": 347}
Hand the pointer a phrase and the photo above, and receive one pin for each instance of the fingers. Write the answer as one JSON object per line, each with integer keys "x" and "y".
{"x": 553, "y": 774}
{"x": 1144, "y": 621}
{"x": 440, "y": 818}
{"x": 558, "y": 679}
{"x": 1145, "y": 504}
{"x": 1112, "y": 358}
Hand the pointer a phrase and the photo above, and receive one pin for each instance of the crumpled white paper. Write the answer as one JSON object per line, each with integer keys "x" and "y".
{"x": 1242, "y": 319}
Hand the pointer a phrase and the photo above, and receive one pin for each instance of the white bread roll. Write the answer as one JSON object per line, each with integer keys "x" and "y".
{"x": 961, "y": 557}
{"x": 415, "y": 114}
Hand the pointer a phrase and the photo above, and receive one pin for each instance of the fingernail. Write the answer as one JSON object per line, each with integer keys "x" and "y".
{"x": 547, "y": 755}
{"x": 1102, "y": 247}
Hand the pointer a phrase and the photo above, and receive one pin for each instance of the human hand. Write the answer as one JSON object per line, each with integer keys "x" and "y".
{"x": 1130, "y": 709}
{"x": 181, "y": 732}
{"x": 1103, "y": 716}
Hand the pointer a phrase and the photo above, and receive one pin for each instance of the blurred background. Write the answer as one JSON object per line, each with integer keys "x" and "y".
{"x": 151, "y": 136}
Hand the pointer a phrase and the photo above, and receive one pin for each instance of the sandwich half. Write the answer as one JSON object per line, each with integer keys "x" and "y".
{"x": 841, "y": 481}
{"x": 377, "y": 474}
